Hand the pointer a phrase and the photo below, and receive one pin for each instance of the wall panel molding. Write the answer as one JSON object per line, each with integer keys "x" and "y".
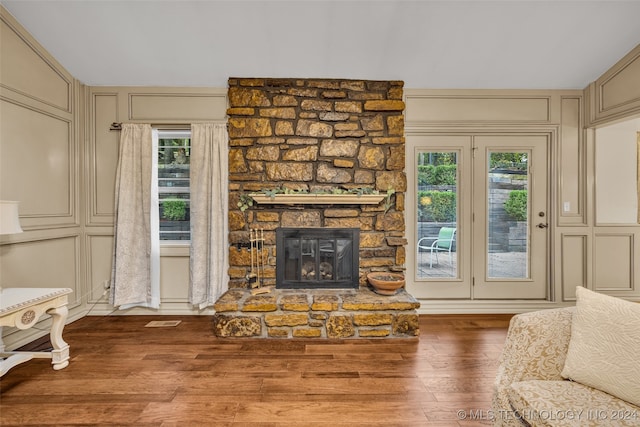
{"x": 462, "y": 108}
{"x": 571, "y": 164}
{"x": 470, "y": 110}
{"x": 32, "y": 72}
{"x": 179, "y": 106}
{"x": 102, "y": 157}
{"x": 574, "y": 262}
{"x": 614, "y": 269}
{"x": 39, "y": 153}
{"x": 616, "y": 94}
{"x": 99, "y": 254}
{"x": 56, "y": 256}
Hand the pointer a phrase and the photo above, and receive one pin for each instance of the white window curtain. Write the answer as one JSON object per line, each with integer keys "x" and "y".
{"x": 209, "y": 218}
{"x": 135, "y": 279}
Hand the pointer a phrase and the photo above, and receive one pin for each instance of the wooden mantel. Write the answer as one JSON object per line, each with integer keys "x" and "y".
{"x": 318, "y": 199}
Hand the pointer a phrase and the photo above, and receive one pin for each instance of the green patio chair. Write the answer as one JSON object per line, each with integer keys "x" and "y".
{"x": 444, "y": 243}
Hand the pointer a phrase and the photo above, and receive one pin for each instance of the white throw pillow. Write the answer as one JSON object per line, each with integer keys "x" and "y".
{"x": 604, "y": 350}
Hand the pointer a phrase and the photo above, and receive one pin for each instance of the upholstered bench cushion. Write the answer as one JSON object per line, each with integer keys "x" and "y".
{"x": 567, "y": 403}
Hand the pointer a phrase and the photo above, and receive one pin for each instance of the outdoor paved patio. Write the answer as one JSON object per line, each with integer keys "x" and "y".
{"x": 501, "y": 265}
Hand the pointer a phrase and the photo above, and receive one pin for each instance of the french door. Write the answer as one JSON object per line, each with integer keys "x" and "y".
{"x": 479, "y": 205}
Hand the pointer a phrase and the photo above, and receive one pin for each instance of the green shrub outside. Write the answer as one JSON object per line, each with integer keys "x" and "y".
{"x": 174, "y": 209}
{"x": 516, "y": 205}
{"x": 437, "y": 175}
{"x": 434, "y": 205}
{"x": 437, "y": 206}
{"x": 446, "y": 175}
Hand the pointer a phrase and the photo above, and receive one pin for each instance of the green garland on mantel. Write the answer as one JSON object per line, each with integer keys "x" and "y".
{"x": 247, "y": 201}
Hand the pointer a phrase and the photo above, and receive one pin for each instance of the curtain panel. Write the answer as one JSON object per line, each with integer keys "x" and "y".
{"x": 209, "y": 251}
{"x": 135, "y": 279}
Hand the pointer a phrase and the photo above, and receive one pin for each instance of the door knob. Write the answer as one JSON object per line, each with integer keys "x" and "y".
{"x": 542, "y": 225}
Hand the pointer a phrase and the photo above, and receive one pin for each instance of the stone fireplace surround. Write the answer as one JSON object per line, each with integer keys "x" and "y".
{"x": 316, "y": 135}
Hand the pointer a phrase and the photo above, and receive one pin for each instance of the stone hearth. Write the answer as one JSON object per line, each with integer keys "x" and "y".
{"x": 321, "y": 313}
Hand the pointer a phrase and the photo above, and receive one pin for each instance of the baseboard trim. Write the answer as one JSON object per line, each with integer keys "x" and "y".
{"x": 485, "y": 307}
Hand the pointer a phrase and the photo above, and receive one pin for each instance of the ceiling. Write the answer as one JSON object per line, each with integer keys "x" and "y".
{"x": 428, "y": 44}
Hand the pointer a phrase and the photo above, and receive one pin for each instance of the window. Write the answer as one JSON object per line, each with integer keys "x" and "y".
{"x": 174, "y": 150}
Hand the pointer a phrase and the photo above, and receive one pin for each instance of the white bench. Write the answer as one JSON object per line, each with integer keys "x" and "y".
{"x": 21, "y": 308}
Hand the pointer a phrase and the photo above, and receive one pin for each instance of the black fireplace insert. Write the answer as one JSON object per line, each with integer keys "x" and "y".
{"x": 317, "y": 258}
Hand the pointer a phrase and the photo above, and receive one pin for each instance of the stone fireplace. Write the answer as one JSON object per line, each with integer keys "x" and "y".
{"x": 307, "y": 154}
{"x": 317, "y": 135}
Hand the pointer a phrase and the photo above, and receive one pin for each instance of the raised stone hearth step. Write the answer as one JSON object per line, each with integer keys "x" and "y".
{"x": 326, "y": 313}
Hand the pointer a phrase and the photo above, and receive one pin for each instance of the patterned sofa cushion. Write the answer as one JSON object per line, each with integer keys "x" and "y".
{"x": 535, "y": 349}
{"x": 567, "y": 403}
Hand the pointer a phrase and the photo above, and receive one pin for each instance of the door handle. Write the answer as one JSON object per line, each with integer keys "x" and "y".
{"x": 542, "y": 225}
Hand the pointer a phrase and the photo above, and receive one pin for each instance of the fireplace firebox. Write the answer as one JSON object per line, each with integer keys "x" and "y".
{"x": 317, "y": 258}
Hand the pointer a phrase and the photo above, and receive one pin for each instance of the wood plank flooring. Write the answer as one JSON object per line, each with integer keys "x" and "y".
{"x": 122, "y": 373}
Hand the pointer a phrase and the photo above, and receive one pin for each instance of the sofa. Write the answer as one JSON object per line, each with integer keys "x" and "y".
{"x": 573, "y": 366}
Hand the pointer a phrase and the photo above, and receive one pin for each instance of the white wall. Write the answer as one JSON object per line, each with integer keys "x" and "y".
{"x": 616, "y": 157}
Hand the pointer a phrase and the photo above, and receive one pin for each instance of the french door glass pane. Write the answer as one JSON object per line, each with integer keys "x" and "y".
{"x": 437, "y": 214}
{"x": 508, "y": 215}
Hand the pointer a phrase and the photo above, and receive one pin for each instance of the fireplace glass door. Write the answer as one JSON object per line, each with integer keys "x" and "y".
{"x": 317, "y": 257}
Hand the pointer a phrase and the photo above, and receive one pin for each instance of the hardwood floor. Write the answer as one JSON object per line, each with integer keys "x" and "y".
{"x": 123, "y": 373}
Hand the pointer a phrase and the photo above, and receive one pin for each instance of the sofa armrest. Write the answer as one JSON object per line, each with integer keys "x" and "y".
{"x": 535, "y": 348}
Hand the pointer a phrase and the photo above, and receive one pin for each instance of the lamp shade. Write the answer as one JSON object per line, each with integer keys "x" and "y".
{"x": 9, "y": 220}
